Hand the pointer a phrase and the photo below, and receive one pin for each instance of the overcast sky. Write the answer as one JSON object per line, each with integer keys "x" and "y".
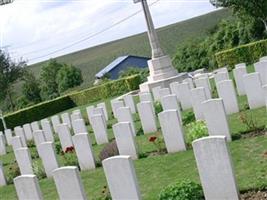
{"x": 32, "y": 29}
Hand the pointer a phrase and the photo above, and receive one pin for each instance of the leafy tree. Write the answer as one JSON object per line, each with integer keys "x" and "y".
{"x": 48, "y": 78}
{"x": 10, "y": 72}
{"x": 68, "y": 77}
{"x": 135, "y": 70}
{"x": 254, "y": 8}
{"x": 31, "y": 88}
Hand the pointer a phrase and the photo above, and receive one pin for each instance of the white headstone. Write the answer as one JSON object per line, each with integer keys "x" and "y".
{"x": 172, "y": 131}
{"x": 55, "y": 122}
{"x": 261, "y": 68}
{"x": 2, "y": 176}
{"x": 89, "y": 111}
{"x": 8, "y": 134}
{"x": 47, "y": 129}
{"x": 170, "y": 102}
{"x": 99, "y": 128}
{"x": 147, "y": 116}
{"x": 155, "y": 92}
{"x": 221, "y": 76}
{"x": 20, "y": 132}
{"x": 125, "y": 139}
{"x": 78, "y": 114}
{"x": 35, "y": 126}
{"x": 24, "y": 160}
{"x": 79, "y": 126}
{"x": 100, "y": 111}
{"x": 190, "y": 82}
{"x": 48, "y": 157}
{"x": 182, "y": 91}
{"x": 239, "y": 72}
{"x": 215, "y": 118}
{"x": 28, "y": 131}
{"x": 263, "y": 58}
{"x": 145, "y": 96}
{"x": 164, "y": 92}
{"x": 124, "y": 115}
{"x": 69, "y": 184}
{"x": 84, "y": 151}
{"x": 65, "y": 117}
{"x": 265, "y": 94}
{"x": 75, "y": 116}
{"x": 2, "y": 145}
{"x": 39, "y": 137}
{"x": 103, "y": 105}
{"x": 240, "y": 65}
{"x": 121, "y": 178}
{"x": 16, "y": 142}
{"x": 129, "y": 102}
{"x": 204, "y": 82}
{"x": 64, "y": 136}
{"x": 116, "y": 104}
{"x": 198, "y": 96}
{"x": 27, "y": 187}
{"x": 254, "y": 91}
{"x": 226, "y": 91}
{"x": 215, "y": 168}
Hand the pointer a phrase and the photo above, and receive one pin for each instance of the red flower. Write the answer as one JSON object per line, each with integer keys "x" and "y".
{"x": 152, "y": 139}
{"x": 69, "y": 149}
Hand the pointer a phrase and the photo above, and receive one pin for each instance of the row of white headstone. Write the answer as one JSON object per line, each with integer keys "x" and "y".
{"x": 213, "y": 162}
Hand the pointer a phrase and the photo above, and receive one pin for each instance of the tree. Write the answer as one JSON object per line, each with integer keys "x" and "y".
{"x": 10, "y": 72}
{"x": 68, "y": 77}
{"x": 48, "y": 76}
{"x": 31, "y": 88}
{"x": 254, "y": 8}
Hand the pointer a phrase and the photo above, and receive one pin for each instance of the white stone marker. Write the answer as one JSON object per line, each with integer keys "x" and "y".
{"x": 79, "y": 126}
{"x": 20, "y": 132}
{"x": 8, "y": 134}
{"x": 89, "y": 111}
{"x": 125, "y": 139}
{"x": 83, "y": 149}
{"x": 170, "y": 102}
{"x": 116, "y": 104}
{"x": 261, "y": 68}
{"x": 264, "y": 58}
{"x": 48, "y": 132}
{"x": 16, "y": 142}
{"x": 265, "y": 94}
{"x": 69, "y": 184}
{"x": 64, "y": 136}
{"x": 99, "y": 128}
{"x": 124, "y": 115}
{"x": 190, "y": 82}
{"x": 147, "y": 116}
{"x": 254, "y": 91}
{"x": 28, "y": 131}
{"x": 99, "y": 111}
{"x": 164, "y": 92}
{"x": 75, "y": 115}
{"x": 65, "y": 117}
{"x": 55, "y": 122}
{"x": 48, "y": 157}
{"x": 2, "y": 145}
{"x": 121, "y": 178}
{"x": 103, "y": 105}
{"x": 182, "y": 91}
{"x": 24, "y": 160}
{"x": 155, "y": 92}
{"x": 198, "y": 96}
{"x": 145, "y": 96}
{"x": 239, "y": 72}
{"x": 172, "y": 131}
{"x": 215, "y": 168}
{"x": 2, "y": 176}
{"x": 129, "y": 102}
{"x": 215, "y": 118}
{"x": 226, "y": 91}
{"x": 27, "y": 187}
{"x": 204, "y": 82}
{"x": 221, "y": 76}
{"x": 35, "y": 126}
{"x": 39, "y": 137}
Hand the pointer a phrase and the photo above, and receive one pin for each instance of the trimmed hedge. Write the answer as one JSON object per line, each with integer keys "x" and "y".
{"x": 249, "y": 53}
{"x": 52, "y": 107}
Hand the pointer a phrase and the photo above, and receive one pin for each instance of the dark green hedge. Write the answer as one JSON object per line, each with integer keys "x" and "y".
{"x": 52, "y": 107}
{"x": 249, "y": 53}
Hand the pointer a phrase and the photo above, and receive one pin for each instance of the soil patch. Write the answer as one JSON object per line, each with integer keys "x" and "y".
{"x": 254, "y": 195}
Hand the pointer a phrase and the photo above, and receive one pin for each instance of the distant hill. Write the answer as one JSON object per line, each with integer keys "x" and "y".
{"x": 91, "y": 60}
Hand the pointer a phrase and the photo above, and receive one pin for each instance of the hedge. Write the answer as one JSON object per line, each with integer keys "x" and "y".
{"x": 249, "y": 53}
{"x": 60, "y": 104}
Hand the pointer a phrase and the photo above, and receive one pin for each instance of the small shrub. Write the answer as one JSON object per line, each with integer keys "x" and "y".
{"x": 58, "y": 147}
{"x": 188, "y": 117}
{"x": 109, "y": 150}
{"x": 248, "y": 121}
{"x": 34, "y": 153}
{"x": 30, "y": 144}
{"x": 158, "y": 143}
{"x": 38, "y": 170}
{"x": 158, "y": 107}
{"x": 140, "y": 132}
{"x": 13, "y": 172}
{"x": 196, "y": 130}
{"x": 69, "y": 157}
{"x": 186, "y": 190}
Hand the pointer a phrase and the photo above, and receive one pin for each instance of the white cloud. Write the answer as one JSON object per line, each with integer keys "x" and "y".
{"x": 39, "y": 27}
